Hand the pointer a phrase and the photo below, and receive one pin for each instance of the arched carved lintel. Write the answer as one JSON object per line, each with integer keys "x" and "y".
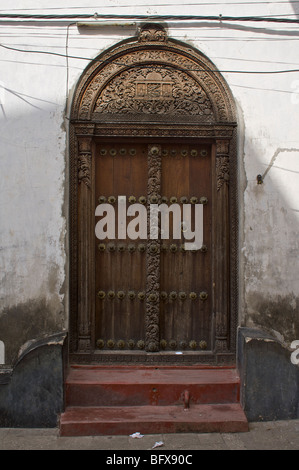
{"x": 152, "y": 75}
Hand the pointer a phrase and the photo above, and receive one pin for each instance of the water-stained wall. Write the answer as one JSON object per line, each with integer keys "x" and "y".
{"x": 38, "y": 76}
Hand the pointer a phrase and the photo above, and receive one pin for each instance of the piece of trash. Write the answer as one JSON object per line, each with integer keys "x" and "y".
{"x": 179, "y": 352}
{"x": 158, "y": 444}
{"x": 136, "y": 435}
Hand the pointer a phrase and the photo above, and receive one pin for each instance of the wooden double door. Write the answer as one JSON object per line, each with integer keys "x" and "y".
{"x": 151, "y": 293}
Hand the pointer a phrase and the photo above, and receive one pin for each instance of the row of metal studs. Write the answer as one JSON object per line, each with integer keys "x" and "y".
{"x": 173, "y": 248}
{"x": 184, "y": 153}
{"x": 131, "y": 344}
{"x": 156, "y": 199}
{"x": 152, "y": 297}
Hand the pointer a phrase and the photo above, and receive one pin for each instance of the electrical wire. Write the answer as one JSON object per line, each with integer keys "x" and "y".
{"x": 151, "y": 17}
{"x": 161, "y": 5}
{"x": 67, "y": 58}
{"x": 146, "y": 65}
{"x": 158, "y": 5}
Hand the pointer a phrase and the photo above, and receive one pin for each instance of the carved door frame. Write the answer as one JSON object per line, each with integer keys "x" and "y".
{"x": 154, "y": 88}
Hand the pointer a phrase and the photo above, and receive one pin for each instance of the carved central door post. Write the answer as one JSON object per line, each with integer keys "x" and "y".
{"x": 85, "y": 242}
{"x": 222, "y": 246}
{"x": 153, "y": 254}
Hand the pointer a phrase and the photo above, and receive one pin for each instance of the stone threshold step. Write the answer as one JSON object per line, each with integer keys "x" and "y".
{"x": 125, "y": 375}
{"x": 150, "y": 386}
{"x": 92, "y": 421}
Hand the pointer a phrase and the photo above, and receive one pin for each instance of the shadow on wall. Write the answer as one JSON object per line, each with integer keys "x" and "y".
{"x": 295, "y": 7}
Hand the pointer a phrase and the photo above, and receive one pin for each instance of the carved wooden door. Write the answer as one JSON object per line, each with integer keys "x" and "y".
{"x": 151, "y": 294}
{"x": 121, "y": 170}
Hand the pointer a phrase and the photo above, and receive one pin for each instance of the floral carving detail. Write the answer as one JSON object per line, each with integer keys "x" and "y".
{"x": 152, "y": 33}
{"x": 154, "y": 90}
{"x": 84, "y": 168}
{"x": 153, "y": 257}
{"x": 222, "y": 171}
{"x": 115, "y": 64}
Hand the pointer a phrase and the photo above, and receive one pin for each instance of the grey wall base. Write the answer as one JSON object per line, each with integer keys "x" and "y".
{"x": 269, "y": 380}
{"x": 33, "y": 393}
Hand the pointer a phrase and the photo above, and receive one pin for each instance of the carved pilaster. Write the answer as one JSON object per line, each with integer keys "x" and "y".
{"x": 222, "y": 163}
{"x": 84, "y": 168}
{"x": 221, "y": 337}
{"x": 222, "y": 272}
{"x": 153, "y": 256}
{"x": 84, "y": 161}
{"x": 85, "y": 244}
{"x": 222, "y": 147}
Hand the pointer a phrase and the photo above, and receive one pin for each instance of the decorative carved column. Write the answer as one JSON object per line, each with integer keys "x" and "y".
{"x": 153, "y": 255}
{"x": 222, "y": 163}
{"x": 84, "y": 244}
{"x": 222, "y": 245}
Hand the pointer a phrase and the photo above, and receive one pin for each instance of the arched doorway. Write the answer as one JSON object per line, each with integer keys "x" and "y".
{"x": 153, "y": 121}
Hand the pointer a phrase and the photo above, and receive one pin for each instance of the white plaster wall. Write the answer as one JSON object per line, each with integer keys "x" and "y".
{"x": 32, "y": 173}
{"x": 33, "y": 151}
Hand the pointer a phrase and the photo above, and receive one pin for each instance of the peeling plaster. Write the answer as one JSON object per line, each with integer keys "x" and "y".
{"x": 32, "y": 318}
{"x": 266, "y": 340}
{"x": 275, "y": 314}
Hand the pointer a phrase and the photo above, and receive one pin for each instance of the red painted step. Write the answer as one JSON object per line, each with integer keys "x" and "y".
{"x": 125, "y": 386}
{"x": 82, "y": 421}
{"x": 111, "y": 400}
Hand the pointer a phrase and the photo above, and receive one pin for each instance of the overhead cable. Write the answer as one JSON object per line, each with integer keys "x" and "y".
{"x": 151, "y": 17}
{"x": 146, "y": 65}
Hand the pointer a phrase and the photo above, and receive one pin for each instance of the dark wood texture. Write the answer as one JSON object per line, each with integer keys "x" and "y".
{"x": 185, "y": 321}
{"x": 123, "y": 268}
{"x": 145, "y": 288}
